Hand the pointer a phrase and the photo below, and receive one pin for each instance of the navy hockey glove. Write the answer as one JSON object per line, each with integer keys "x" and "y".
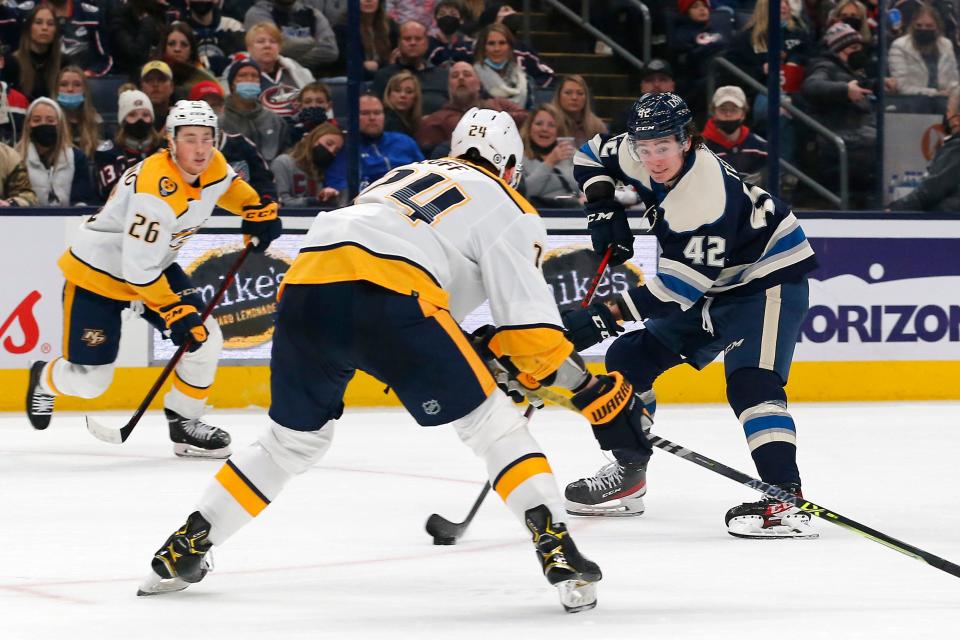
{"x": 587, "y": 327}
{"x": 608, "y": 226}
{"x": 265, "y": 232}
{"x": 616, "y": 413}
{"x": 185, "y": 324}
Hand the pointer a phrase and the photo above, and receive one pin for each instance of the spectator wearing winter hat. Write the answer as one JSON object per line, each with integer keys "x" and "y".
{"x": 727, "y": 135}
{"x": 57, "y": 169}
{"x": 136, "y": 139}
{"x": 240, "y": 151}
{"x": 698, "y": 35}
{"x": 156, "y": 80}
{"x": 838, "y": 90}
{"x": 245, "y": 115}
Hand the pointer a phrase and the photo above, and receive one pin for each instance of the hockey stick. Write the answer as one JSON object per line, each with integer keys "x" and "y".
{"x": 446, "y": 532}
{"x": 596, "y": 278}
{"x": 781, "y": 495}
{"x": 118, "y": 436}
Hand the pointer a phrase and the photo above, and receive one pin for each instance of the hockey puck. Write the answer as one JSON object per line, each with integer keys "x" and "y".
{"x": 444, "y": 540}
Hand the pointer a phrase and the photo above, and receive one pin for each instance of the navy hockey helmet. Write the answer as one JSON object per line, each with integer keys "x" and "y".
{"x": 658, "y": 115}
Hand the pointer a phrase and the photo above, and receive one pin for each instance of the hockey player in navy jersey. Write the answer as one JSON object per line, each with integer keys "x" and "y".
{"x": 731, "y": 278}
{"x": 380, "y": 286}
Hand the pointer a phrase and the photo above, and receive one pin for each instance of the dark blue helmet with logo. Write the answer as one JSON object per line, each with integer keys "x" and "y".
{"x": 658, "y": 115}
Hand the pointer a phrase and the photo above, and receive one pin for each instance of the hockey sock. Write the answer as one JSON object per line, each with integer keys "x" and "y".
{"x": 772, "y": 437}
{"x": 63, "y": 378}
{"x": 253, "y": 477}
{"x": 521, "y": 475}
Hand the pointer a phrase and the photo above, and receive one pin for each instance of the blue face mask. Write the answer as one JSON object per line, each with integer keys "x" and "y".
{"x": 248, "y": 90}
{"x": 70, "y": 101}
{"x": 497, "y": 66}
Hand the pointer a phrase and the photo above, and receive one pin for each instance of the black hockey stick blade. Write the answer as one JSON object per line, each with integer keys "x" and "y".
{"x": 445, "y": 532}
{"x": 785, "y": 496}
{"x": 119, "y": 436}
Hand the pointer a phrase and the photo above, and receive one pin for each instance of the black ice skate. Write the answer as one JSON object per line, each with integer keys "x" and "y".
{"x": 183, "y": 559}
{"x": 770, "y": 519}
{"x": 574, "y": 576}
{"x": 39, "y": 404}
{"x": 194, "y": 438}
{"x": 616, "y": 490}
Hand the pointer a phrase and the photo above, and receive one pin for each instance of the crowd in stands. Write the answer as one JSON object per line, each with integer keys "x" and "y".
{"x": 271, "y": 70}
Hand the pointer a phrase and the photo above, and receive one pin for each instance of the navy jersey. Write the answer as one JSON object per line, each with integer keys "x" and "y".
{"x": 718, "y": 235}
{"x": 110, "y": 163}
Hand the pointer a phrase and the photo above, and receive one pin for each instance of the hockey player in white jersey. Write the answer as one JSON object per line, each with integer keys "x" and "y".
{"x": 380, "y": 286}
{"x": 124, "y": 254}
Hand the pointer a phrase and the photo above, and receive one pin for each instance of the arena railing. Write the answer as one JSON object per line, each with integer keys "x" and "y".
{"x": 583, "y": 20}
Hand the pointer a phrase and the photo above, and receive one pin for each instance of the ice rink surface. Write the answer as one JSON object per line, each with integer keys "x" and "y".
{"x": 342, "y": 552}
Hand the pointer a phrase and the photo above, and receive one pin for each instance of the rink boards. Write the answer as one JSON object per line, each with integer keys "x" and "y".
{"x": 884, "y": 320}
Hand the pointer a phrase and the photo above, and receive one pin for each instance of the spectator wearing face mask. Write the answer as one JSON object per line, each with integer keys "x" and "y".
{"x": 316, "y": 107}
{"x": 923, "y": 61}
{"x": 301, "y": 173}
{"x": 839, "y": 92}
{"x": 245, "y": 115}
{"x": 728, "y": 136}
{"x": 136, "y": 139}
{"x": 217, "y": 36}
{"x": 451, "y": 44}
{"x": 940, "y": 190}
{"x": 57, "y": 169}
{"x": 501, "y": 13}
{"x": 73, "y": 96}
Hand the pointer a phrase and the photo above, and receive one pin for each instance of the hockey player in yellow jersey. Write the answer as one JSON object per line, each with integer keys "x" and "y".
{"x": 124, "y": 256}
{"x": 381, "y": 286}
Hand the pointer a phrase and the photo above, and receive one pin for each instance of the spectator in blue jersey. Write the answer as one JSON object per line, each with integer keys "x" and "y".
{"x": 451, "y": 44}
{"x": 412, "y": 56}
{"x": 82, "y": 29}
{"x": 307, "y": 35}
{"x": 697, "y": 37}
{"x": 727, "y": 135}
{"x": 136, "y": 139}
{"x": 281, "y": 78}
{"x": 380, "y": 150}
{"x": 135, "y": 28}
{"x": 727, "y": 281}
{"x": 58, "y": 170}
{"x": 239, "y": 151}
{"x": 527, "y": 57}
{"x": 246, "y": 115}
{"x": 301, "y": 173}
{"x": 217, "y": 36}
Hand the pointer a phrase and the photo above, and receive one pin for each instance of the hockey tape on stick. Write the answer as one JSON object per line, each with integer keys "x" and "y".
{"x": 779, "y": 494}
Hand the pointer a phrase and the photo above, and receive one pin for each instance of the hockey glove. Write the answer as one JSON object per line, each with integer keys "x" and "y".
{"x": 263, "y": 232}
{"x": 509, "y": 379}
{"x": 608, "y": 226}
{"x": 616, "y": 413}
{"x": 185, "y": 324}
{"x": 590, "y": 326}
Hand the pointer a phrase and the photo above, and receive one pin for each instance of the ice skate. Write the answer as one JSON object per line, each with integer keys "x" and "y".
{"x": 616, "y": 490}
{"x": 574, "y": 576}
{"x": 770, "y": 519}
{"x": 194, "y": 438}
{"x": 39, "y": 404}
{"x": 183, "y": 559}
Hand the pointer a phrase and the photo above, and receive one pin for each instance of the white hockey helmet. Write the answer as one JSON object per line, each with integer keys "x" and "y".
{"x": 192, "y": 113}
{"x": 495, "y": 137}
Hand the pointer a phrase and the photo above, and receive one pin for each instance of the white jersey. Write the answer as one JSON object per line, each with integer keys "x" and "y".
{"x": 121, "y": 251}
{"x": 454, "y": 235}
